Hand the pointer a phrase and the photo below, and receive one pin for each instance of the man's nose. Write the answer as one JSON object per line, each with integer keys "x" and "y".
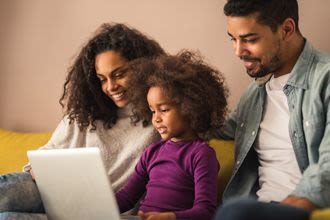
{"x": 239, "y": 49}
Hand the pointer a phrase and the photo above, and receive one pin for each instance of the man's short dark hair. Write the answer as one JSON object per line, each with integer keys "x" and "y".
{"x": 269, "y": 12}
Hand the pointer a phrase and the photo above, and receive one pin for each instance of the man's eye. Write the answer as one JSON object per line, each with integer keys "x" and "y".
{"x": 251, "y": 40}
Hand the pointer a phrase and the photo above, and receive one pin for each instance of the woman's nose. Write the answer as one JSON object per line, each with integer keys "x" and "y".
{"x": 111, "y": 85}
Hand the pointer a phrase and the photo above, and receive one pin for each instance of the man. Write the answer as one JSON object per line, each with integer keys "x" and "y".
{"x": 281, "y": 125}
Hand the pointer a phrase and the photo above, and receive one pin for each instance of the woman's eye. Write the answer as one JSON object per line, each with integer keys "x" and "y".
{"x": 102, "y": 81}
{"x": 117, "y": 75}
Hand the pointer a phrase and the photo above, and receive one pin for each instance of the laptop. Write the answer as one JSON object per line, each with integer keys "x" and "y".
{"x": 73, "y": 184}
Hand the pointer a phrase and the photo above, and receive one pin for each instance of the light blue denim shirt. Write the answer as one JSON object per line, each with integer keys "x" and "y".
{"x": 308, "y": 95}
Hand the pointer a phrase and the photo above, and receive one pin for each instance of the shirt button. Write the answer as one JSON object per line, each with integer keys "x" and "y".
{"x": 307, "y": 123}
{"x": 238, "y": 162}
{"x": 295, "y": 133}
{"x": 242, "y": 125}
{"x": 253, "y": 133}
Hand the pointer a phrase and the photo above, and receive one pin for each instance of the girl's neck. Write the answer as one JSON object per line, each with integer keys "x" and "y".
{"x": 188, "y": 136}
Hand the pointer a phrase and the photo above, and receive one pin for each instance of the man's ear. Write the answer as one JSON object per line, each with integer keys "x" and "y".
{"x": 288, "y": 28}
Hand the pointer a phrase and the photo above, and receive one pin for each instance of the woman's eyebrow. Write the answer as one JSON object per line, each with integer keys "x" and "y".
{"x": 116, "y": 70}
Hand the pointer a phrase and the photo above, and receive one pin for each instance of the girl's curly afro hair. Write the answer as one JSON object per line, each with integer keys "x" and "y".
{"x": 188, "y": 81}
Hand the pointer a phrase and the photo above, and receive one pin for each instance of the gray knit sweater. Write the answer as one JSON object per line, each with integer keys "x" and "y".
{"x": 121, "y": 146}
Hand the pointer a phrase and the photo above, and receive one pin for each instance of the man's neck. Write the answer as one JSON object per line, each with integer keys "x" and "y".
{"x": 293, "y": 51}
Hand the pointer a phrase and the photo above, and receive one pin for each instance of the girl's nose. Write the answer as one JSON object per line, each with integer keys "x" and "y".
{"x": 157, "y": 118}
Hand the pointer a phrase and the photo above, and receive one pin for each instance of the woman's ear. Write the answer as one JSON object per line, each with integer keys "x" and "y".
{"x": 288, "y": 28}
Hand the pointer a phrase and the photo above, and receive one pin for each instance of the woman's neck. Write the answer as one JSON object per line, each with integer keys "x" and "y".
{"x": 125, "y": 111}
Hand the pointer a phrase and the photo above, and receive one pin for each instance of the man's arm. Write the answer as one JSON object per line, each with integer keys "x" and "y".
{"x": 314, "y": 188}
{"x": 227, "y": 132}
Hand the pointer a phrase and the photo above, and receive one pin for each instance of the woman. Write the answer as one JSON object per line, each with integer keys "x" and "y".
{"x": 97, "y": 113}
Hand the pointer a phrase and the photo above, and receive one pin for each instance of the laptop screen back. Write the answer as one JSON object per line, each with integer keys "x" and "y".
{"x": 73, "y": 184}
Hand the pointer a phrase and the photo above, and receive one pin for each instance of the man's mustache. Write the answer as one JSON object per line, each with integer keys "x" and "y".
{"x": 249, "y": 59}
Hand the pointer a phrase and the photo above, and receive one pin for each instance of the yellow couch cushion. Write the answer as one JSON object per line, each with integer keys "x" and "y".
{"x": 225, "y": 155}
{"x": 13, "y": 147}
{"x": 322, "y": 214}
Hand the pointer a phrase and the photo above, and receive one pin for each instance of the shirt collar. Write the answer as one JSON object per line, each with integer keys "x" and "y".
{"x": 300, "y": 72}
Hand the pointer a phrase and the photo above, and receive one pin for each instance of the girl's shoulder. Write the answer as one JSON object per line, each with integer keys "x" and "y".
{"x": 201, "y": 148}
{"x": 200, "y": 144}
{"x": 155, "y": 146}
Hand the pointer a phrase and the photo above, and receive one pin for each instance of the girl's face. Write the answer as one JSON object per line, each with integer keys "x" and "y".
{"x": 167, "y": 118}
{"x": 109, "y": 69}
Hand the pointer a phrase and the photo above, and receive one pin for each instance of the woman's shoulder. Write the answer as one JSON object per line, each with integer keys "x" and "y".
{"x": 64, "y": 134}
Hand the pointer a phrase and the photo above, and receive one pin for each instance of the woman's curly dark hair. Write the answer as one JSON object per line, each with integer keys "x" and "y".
{"x": 82, "y": 96}
{"x": 188, "y": 81}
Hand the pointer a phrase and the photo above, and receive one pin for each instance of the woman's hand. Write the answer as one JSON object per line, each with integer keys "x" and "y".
{"x": 299, "y": 202}
{"x": 157, "y": 215}
{"x": 28, "y": 168}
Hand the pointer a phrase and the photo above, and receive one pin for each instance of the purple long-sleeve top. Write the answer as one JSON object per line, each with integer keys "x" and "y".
{"x": 180, "y": 177}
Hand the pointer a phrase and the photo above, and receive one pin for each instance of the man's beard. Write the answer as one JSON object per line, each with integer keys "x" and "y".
{"x": 264, "y": 70}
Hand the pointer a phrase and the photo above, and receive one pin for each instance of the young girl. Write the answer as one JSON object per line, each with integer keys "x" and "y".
{"x": 184, "y": 98}
{"x": 97, "y": 113}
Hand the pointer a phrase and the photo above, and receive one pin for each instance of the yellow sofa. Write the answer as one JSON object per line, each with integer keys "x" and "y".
{"x": 13, "y": 147}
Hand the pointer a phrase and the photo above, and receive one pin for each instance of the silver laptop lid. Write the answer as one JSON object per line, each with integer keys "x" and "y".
{"x": 73, "y": 184}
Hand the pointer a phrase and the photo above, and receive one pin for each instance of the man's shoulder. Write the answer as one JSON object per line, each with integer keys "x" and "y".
{"x": 322, "y": 57}
{"x": 320, "y": 69}
{"x": 320, "y": 63}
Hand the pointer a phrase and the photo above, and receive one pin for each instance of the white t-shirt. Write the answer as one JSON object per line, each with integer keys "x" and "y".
{"x": 278, "y": 171}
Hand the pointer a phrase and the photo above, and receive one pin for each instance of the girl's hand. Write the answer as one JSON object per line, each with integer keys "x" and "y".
{"x": 157, "y": 215}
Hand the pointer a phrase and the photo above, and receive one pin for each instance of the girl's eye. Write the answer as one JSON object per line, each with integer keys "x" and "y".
{"x": 152, "y": 112}
{"x": 164, "y": 110}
